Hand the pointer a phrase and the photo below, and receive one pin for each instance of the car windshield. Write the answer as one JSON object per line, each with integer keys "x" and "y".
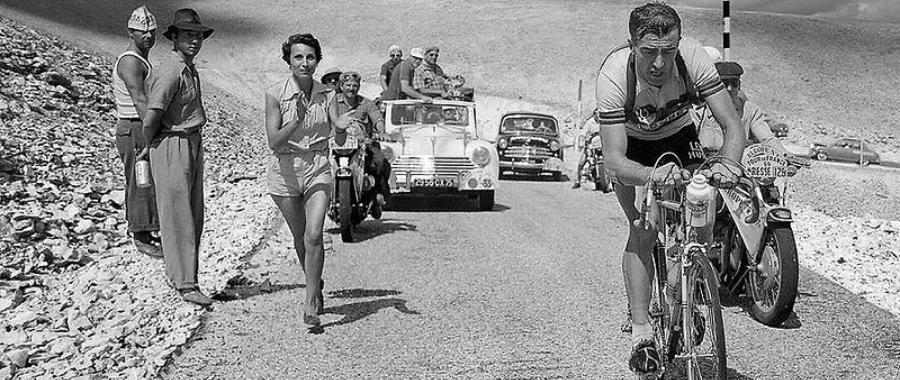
{"x": 529, "y": 124}
{"x": 407, "y": 114}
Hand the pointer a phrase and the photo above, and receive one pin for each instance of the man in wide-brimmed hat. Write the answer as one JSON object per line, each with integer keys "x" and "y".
{"x": 174, "y": 118}
{"x": 129, "y": 73}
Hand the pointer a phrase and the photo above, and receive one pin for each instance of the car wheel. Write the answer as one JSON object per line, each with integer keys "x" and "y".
{"x": 864, "y": 162}
{"x": 821, "y": 156}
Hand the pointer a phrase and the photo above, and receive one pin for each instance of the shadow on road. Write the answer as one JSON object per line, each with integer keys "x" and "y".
{"x": 244, "y": 291}
{"x": 355, "y": 311}
{"x": 517, "y": 177}
{"x": 745, "y": 303}
{"x": 370, "y": 229}
{"x": 437, "y": 203}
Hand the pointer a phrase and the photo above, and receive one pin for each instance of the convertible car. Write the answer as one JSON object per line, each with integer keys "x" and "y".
{"x": 529, "y": 143}
{"x": 435, "y": 148}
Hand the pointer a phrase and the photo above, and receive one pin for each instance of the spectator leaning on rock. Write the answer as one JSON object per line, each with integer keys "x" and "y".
{"x": 396, "y": 56}
{"x": 174, "y": 118}
{"x": 429, "y": 76}
{"x": 402, "y": 78}
{"x": 129, "y": 73}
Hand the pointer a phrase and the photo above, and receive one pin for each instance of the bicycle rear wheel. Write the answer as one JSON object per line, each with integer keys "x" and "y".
{"x": 708, "y": 359}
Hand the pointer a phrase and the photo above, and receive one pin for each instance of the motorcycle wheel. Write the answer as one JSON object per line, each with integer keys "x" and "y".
{"x": 345, "y": 202}
{"x": 772, "y": 282}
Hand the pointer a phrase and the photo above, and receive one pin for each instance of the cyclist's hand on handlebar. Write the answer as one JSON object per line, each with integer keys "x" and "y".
{"x": 723, "y": 174}
{"x": 669, "y": 175}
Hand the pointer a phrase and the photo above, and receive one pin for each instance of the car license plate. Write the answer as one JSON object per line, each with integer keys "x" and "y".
{"x": 434, "y": 182}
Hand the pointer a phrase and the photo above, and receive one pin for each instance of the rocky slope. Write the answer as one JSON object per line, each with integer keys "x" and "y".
{"x": 76, "y": 299}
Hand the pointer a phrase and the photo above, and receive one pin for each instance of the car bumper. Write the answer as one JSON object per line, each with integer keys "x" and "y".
{"x": 532, "y": 165}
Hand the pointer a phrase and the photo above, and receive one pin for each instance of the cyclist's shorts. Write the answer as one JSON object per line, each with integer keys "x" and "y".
{"x": 685, "y": 144}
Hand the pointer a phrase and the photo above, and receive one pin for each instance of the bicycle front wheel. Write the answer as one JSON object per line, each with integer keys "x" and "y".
{"x": 707, "y": 360}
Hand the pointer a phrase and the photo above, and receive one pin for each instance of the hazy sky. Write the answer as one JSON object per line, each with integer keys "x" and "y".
{"x": 875, "y": 10}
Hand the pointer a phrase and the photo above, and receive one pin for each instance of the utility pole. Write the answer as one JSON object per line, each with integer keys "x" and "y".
{"x": 726, "y": 30}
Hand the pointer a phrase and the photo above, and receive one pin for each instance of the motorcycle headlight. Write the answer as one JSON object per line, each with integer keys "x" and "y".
{"x": 388, "y": 153}
{"x": 554, "y": 146}
{"x": 481, "y": 156}
{"x": 502, "y": 143}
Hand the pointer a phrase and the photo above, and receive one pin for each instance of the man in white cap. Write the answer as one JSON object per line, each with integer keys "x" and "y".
{"x": 172, "y": 125}
{"x": 129, "y": 73}
{"x": 400, "y": 86}
{"x": 395, "y": 56}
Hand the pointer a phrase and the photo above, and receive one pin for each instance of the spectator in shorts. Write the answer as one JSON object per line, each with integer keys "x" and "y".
{"x": 300, "y": 116}
{"x": 129, "y": 73}
{"x": 172, "y": 124}
{"x": 396, "y": 56}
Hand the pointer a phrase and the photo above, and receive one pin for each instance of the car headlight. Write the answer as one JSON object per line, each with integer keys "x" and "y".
{"x": 502, "y": 143}
{"x": 481, "y": 156}
{"x": 554, "y": 146}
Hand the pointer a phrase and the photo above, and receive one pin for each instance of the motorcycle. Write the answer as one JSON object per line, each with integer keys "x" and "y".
{"x": 594, "y": 166}
{"x": 353, "y": 198}
{"x": 759, "y": 257}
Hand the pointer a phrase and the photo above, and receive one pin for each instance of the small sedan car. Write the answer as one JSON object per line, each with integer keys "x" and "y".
{"x": 529, "y": 142}
{"x": 435, "y": 148}
{"x": 849, "y": 149}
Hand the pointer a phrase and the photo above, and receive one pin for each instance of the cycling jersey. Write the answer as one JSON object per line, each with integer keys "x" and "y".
{"x": 661, "y": 111}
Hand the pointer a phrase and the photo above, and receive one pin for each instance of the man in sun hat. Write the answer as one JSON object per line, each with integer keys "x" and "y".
{"x": 395, "y": 55}
{"x": 401, "y": 79}
{"x": 332, "y": 79}
{"x": 175, "y": 116}
{"x": 129, "y": 73}
{"x": 429, "y": 76}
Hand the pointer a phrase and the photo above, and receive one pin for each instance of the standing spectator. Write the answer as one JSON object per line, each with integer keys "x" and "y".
{"x": 299, "y": 119}
{"x": 129, "y": 73}
{"x": 396, "y": 55}
{"x": 174, "y": 118}
{"x": 429, "y": 76}
{"x": 402, "y": 78}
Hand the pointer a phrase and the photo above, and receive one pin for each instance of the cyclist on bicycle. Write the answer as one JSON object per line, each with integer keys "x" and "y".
{"x": 645, "y": 91}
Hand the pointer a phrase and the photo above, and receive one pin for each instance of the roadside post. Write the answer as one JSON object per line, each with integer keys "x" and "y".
{"x": 726, "y": 30}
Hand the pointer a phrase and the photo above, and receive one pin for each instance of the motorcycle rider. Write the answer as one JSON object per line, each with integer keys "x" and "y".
{"x": 643, "y": 105}
{"x": 591, "y": 131}
{"x": 368, "y": 123}
{"x": 752, "y": 116}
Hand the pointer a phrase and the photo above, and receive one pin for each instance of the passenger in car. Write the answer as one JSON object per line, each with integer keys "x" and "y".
{"x": 429, "y": 76}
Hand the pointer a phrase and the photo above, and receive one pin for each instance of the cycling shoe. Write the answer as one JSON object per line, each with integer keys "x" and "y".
{"x": 645, "y": 358}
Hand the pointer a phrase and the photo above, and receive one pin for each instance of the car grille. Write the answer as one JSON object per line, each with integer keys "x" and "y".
{"x": 527, "y": 151}
{"x": 432, "y": 165}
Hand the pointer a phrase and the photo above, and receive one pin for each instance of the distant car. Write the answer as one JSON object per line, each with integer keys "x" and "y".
{"x": 434, "y": 148}
{"x": 849, "y": 149}
{"x": 529, "y": 142}
{"x": 780, "y": 129}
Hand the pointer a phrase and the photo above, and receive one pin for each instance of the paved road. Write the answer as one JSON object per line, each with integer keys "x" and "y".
{"x": 532, "y": 290}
